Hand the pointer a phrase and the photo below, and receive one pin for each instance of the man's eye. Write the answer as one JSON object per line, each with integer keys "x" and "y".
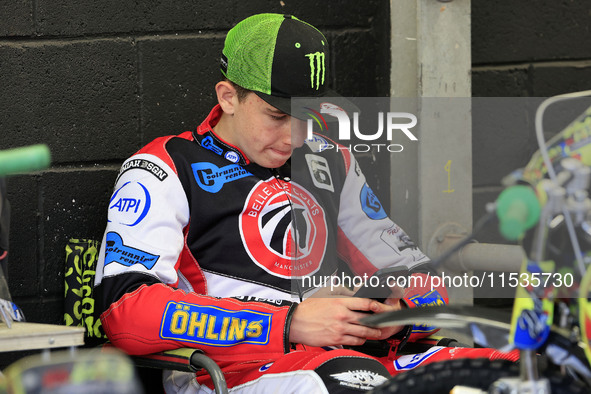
{"x": 280, "y": 117}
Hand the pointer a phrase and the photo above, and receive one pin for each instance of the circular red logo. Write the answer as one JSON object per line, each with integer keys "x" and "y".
{"x": 283, "y": 229}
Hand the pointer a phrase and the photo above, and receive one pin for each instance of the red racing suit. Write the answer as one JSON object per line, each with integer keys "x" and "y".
{"x": 206, "y": 249}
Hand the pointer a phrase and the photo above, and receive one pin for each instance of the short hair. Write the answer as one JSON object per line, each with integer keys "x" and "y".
{"x": 240, "y": 91}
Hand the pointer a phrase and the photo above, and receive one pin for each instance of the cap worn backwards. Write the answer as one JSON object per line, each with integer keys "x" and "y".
{"x": 278, "y": 57}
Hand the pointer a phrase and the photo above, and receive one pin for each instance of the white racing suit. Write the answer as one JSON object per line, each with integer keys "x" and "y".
{"x": 205, "y": 249}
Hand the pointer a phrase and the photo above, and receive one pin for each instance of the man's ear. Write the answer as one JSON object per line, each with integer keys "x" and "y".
{"x": 227, "y": 96}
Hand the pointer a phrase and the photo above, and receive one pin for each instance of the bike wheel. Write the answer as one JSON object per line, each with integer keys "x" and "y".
{"x": 480, "y": 373}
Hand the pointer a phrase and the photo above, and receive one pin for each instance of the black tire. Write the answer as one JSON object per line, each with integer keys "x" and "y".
{"x": 441, "y": 377}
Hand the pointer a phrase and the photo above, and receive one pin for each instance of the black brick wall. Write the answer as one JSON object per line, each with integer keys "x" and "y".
{"x": 97, "y": 80}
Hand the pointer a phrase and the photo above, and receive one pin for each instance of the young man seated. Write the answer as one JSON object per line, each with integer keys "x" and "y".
{"x": 211, "y": 231}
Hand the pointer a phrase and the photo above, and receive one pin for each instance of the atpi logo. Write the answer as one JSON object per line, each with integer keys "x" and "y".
{"x": 391, "y": 122}
{"x": 130, "y": 204}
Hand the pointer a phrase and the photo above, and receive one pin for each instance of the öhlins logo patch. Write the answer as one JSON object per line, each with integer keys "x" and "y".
{"x": 210, "y": 325}
{"x": 430, "y": 299}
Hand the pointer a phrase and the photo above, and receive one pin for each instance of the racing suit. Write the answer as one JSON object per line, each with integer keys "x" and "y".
{"x": 206, "y": 249}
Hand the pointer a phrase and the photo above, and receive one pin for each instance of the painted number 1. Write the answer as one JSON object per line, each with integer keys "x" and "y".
{"x": 448, "y": 170}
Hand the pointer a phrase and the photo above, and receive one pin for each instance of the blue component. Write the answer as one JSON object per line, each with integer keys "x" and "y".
{"x": 413, "y": 360}
{"x": 432, "y": 298}
{"x": 533, "y": 267}
{"x": 210, "y": 325}
{"x": 371, "y": 205}
{"x": 208, "y": 143}
{"x": 117, "y": 252}
{"x": 211, "y": 178}
{"x": 532, "y": 329}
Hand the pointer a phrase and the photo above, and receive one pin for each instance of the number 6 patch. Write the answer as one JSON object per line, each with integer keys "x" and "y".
{"x": 320, "y": 172}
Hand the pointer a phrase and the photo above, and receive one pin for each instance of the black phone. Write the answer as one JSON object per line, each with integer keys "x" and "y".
{"x": 377, "y": 287}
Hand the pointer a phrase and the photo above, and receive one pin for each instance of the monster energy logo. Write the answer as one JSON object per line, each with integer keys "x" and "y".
{"x": 317, "y": 69}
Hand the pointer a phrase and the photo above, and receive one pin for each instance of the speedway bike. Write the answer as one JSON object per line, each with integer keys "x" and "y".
{"x": 546, "y": 207}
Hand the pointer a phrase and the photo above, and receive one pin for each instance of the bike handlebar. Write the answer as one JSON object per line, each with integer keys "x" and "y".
{"x": 25, "y": 159}
{"x": 518, "y": 210}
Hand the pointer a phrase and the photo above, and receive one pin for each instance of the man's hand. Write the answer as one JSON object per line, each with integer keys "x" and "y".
{"x": 390, "y": 305}
{"x": 332, "y": 318}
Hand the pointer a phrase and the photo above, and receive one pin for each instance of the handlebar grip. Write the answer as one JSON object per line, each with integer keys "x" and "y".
{"x": 518, "y": 210}
{"x": 25, "y": 159}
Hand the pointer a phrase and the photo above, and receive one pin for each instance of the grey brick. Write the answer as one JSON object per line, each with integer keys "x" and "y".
{"x": 505, "y": 82}
{"x": 17, "y": 18}
{"x": 23, "y": 266}
{"x": 63, "y": 17}
{"x": 321, "y": 14}
{"x": 357, "y": 75}
{"x": 178, "y": 77}
{"x": 74, "y": 206}
{"x": 43, "y": 310}
{"x": 80, "y": 97}
{"x": 503, "y": 137}
{"x": 509, "y": 31}
{"x": 553, "y": 79}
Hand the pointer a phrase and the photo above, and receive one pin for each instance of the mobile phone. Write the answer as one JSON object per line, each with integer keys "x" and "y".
{"x": 379, "y": 289}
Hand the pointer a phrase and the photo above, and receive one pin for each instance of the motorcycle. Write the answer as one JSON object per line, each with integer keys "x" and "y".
{"x": 546, "y": 207}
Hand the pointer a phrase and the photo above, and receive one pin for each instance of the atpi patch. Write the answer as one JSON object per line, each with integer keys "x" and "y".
{"x": 130, "y": 204}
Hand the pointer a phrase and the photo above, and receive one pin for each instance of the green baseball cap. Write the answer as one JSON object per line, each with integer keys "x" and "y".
{"x": 278, "y": 57}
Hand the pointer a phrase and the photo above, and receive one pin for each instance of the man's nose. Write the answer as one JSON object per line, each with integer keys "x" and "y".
{"x": 298, "y": 132}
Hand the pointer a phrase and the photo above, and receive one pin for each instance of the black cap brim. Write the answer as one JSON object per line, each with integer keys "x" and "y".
{"x": 301, "y": 111}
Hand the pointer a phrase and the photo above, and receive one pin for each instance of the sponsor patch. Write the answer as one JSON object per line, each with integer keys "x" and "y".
{"x": 411, "y": 361}
{"x": 359, "y": 379}
{"x": 117, "y": 252}
{"x": 277, "y": 302}
{"x": 398, "y": 240}
{"x": 285, "y": 232}
{"x": 212, "y": 178}
{"x": 320, "y": 172}
{"x": 210, "y": 325}
{"x": 130, "y": 204}
{"x": 146, "y": 165}
{"x": 370, "y": 204}
{"x": 232, "y": 156}
{"x": 432, "y": 298}
{"x": 265, "y": 367}
{"x": 208, "y": 144}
